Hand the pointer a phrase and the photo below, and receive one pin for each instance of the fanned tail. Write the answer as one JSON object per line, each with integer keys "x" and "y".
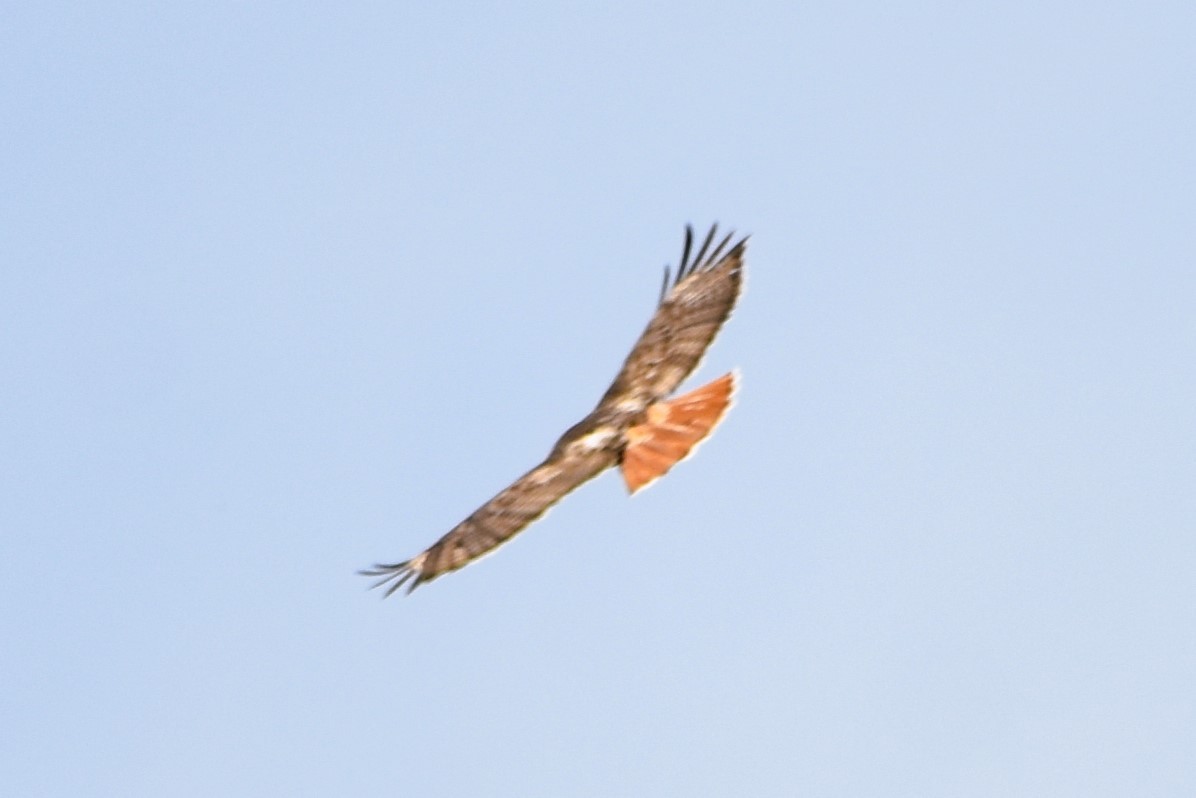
{"x": 672, "y": 430}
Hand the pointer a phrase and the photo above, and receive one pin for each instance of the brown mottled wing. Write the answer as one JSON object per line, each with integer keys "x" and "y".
{"x": 690, "y": 313}
{"x": 498, "y": 520}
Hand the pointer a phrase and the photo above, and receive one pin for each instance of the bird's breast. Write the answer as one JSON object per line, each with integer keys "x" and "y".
{"x": 605, "y": 436}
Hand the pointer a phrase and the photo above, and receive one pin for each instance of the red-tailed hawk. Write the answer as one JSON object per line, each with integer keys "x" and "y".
{"x": 633, "y": 426}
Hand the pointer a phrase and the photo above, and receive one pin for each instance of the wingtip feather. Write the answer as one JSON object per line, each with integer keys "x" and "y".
{"x": 396, "y": 575}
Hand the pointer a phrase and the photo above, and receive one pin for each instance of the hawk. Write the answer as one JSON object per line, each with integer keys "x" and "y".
{"x": 635, "y": 425}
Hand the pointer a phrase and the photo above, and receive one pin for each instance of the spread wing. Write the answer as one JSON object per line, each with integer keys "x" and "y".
{"x": 690, "y": 314}
{"x": 499, "y": 519}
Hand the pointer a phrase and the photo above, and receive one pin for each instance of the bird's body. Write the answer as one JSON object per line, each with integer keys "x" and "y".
{"x": 632, "y": 426}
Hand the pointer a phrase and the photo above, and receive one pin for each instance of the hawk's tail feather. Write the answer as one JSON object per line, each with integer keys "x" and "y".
{"x": 672, "y": 430}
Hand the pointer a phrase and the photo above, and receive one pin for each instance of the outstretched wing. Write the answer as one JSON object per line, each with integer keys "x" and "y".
{"x": 498, "y": 520}
{"x": 690, "y": 313}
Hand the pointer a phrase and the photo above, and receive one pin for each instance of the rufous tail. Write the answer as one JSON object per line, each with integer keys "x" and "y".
{"x": 672, "y": 429}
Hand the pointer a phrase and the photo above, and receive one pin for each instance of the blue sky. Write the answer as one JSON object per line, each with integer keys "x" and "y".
{"x": 288, "y": 289}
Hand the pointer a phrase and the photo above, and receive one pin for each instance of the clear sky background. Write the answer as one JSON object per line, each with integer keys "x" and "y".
{"x": 289, "y": 289}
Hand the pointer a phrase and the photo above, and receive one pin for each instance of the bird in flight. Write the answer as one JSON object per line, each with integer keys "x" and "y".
{"x": 635, "y": 425}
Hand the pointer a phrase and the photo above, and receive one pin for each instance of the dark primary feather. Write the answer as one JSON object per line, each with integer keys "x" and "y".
{"x": 690, "y": 313}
